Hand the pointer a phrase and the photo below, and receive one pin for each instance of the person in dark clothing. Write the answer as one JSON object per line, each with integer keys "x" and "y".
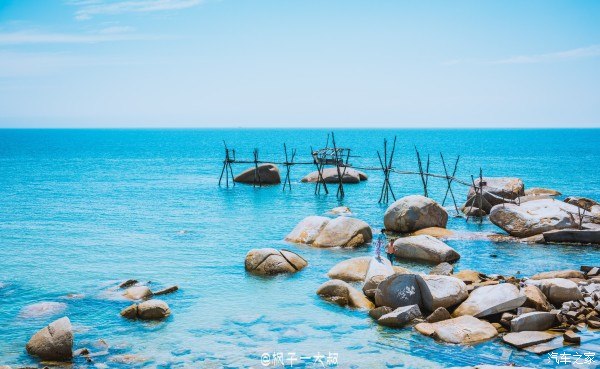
{"x": 389, "y": 249}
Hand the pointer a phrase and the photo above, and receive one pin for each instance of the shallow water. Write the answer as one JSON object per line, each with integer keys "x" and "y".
{"x": 82, "y": 210}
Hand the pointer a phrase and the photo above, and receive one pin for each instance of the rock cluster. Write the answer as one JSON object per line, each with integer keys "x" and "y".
{"x": 325, "y": 232}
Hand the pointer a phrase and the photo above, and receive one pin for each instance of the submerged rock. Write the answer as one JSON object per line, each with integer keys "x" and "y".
{"x": 464, "y": 330}
{"x": 269, "y": 261}
{"x": 137, "y": 293}
{"x": 351, "y": 270}
{"x": 267, "y": 174}
{"x": 340, "y": 210}
{"x": 153, "y": 310}
{"x": 330, "y": 175}
{"x": 533, "y": 217}
{"x": 415, "y": 212}
{"x": 343, "y": 294}
{"x": 42, "y": 309}
{"x": 400, "y": 316}
{"x": 489, "y": 300}
{"x": 308, "y": 229}
{"x": 130, "y": 312}
{"x": 424, "y": 248}
{"x": 166, "y": 291}
{"x": 344, "y": 232}
{"x": 128, "y": 283}
{"x": 54, "y": 342}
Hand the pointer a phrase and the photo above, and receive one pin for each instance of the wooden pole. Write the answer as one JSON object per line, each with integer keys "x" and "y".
{"x": 340, "y": 191}
{"x": 449, "y": 180}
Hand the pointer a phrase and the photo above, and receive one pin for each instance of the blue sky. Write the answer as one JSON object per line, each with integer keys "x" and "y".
{"x": 299, "y": 63}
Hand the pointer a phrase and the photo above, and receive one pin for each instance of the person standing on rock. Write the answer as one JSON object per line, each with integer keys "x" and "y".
{"x": 389, "y": 249}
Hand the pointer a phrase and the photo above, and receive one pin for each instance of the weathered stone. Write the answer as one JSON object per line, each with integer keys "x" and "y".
{"x": 130, "y": 312}
{"x": 340, "y": 210}
{"x": 401, "y": 290}
{"x": 472, "y": 211}
{"x": 581, "y": 202}
{"x": 572, "y": 337}
{"x": 54, "y": 342}
{"x": 128, "y": 283}
{"x": 351, "y": 270}
{"x": 437, "y": 232}
{"x": 415, "y": 212}
{"x": 344, "y": 232}
{"x": 465, "y": 330}
{"x": 444, "y": 291}
{"x": 424, "y": 248}
{"x": 488, "y": 300}
{"x": 137, "y": 293}
{"x": 580, "y": 236}
{"x": 469, "y": 276}
{"x": 330, "y": 175}
{"x": 166, "y": 291}
{"x": 527, "y": 338}
{"x": 153, "y": 310}
{"x": 534, "y": 321}
{"x": 371, "y": 285}
{"x": 569, "y": 273}
{"x": 307, "y": 230}
{"x": 400, "y": 316}
{"x": 442, "y": 269}
{"x": 557, "y": 290}
{"x": 267, "y": 174}
{"x": 438, "y": 315}
{"x": 378, "y": 312}
{"x": 343, "y": 294}
{"x": 379, "y": 266}
{"x": 537, "y": 191}
{"x": 534, "y": 217}
{"x": 535, "y": 298}
{"x": 496, "y": 190}
{"x": 269, "y": 261}
{"x": 475, "y": 201}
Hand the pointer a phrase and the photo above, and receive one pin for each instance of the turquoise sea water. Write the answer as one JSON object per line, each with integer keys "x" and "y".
{"x": 81, "y": 210}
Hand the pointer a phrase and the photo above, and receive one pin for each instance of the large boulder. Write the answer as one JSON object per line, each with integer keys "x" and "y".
{"x": 351, "y": 270}
{"x": 308, "y": 229}
{"x": 533, "y": 321}
{"x": 534, "y": 217}
{"x": 424, "y": 248}
{"x": 401, "y": 290}
{"x": 464, "y": 330}
{"x": 567, "y": 273}
{"x": 269, "y": 261}
{"x": 54, "y": 342}
{"x": 535, "y": 298}
{"x": 379, "y": 267}
{"x": 444, "y": 291}
{"x": 580, "y": 236}
{"x": 344, "y": 232}
{"x": 411, "y": 213}
{"x": 489, "y": 300}
{"x": 267, "y": 174}
{"x": 400, "y": 316}
{"x": 153, "y": 310}
{"x": 497, "y": 190}
{"x": 330, "y": 175}
{"x": 557, "y": 290}
{"x": 343, "y": 294}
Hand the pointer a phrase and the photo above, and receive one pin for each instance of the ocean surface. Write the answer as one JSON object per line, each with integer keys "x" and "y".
{"x": 82, "y": 210}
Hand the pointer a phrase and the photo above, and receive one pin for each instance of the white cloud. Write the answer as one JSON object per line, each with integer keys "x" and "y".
{"x": 35, "y": 37}
{"x": 89, "y": 8}
{"x": 573, "y": 54}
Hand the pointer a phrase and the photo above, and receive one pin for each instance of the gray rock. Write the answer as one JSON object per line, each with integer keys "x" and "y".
{"x": 400, "y": 316}
{"x": 307, "y": 230}
{"x": 473, "y": 211}
{"x": 153, "y": 310}
{"x": 378, "y": 312}
{"x": 267, "y": 174}
{"x": 442, "y": 269}
{"x": 269, "y": 261}
{"x": 330, "y": 175}
{"x": 476, "y": 203}
{"x": 438, "y": 315}
{"x": 495, "y": 189}
{"x": 534, "y": 321}
{"x": 54, "y": 342}
{"x": 534, "y": 217}
{"x": 344, "y": 232}
{"x": 526, "y": 339}
{"x": 411, "y": 213}
{"x": 557, "y": 290}
{"x": 401, "y": 290}
{"x": 489, "y": 300}
{"x": 424, "y": 248}
{"x": 343, "y": 294}
{"x": 580, "y": 236}
{"x": 444, "y": 291}
{"x": 371, "y": 285}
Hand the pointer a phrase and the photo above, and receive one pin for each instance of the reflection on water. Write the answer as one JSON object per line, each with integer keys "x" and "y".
{"x": 83, "y": 210}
